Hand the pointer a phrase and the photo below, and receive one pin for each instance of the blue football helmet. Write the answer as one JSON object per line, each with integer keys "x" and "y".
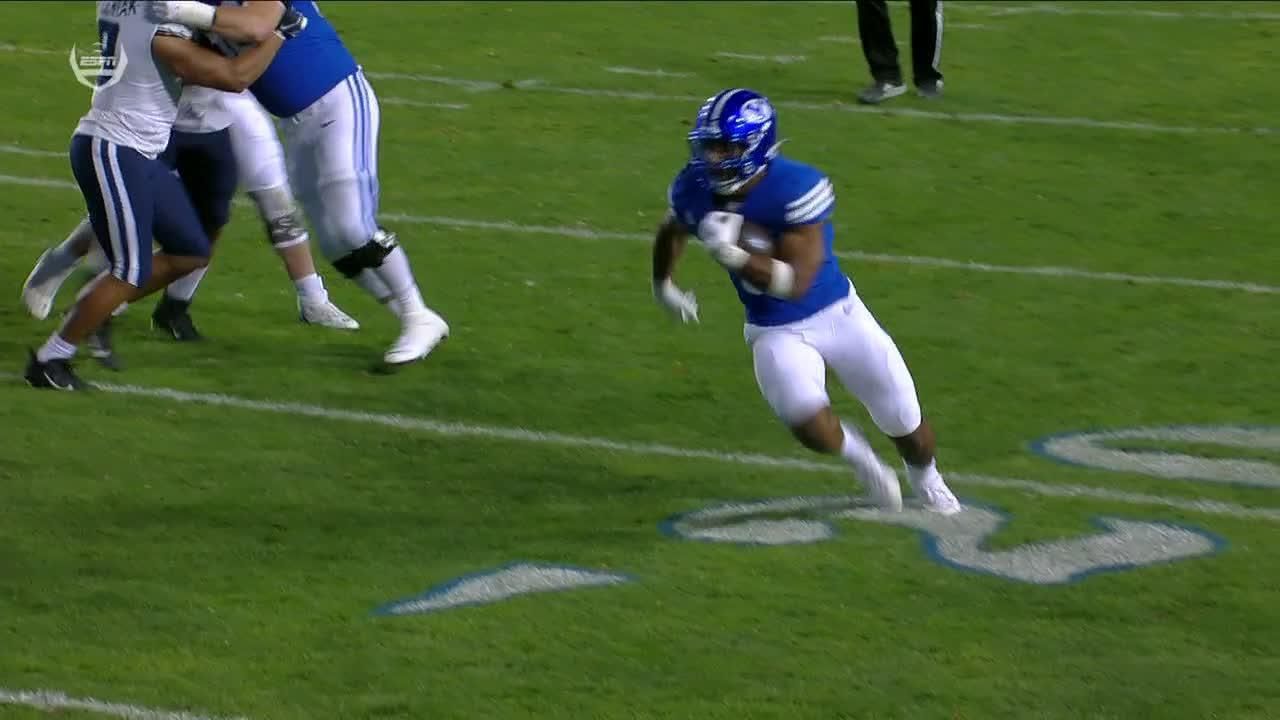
{"x": 734, "y": 137}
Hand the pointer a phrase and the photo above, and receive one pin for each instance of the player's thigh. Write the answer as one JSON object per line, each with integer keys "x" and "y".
{"x": 208, "y": 171}
{"x": 116, "y": 184}
{"x": 870, "y": 366}
{"x": 344, "y": 150}
{"x": 791, "y": 375}
{"x": 178, "y": 230}
{"x": 259, "y": 154}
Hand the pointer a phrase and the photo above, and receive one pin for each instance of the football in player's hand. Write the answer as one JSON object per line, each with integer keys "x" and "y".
{"x": 755, "y": 239}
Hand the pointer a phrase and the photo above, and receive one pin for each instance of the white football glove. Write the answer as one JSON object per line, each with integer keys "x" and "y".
{"x": 678, "y": 302}
{"x": 719, "y": 233}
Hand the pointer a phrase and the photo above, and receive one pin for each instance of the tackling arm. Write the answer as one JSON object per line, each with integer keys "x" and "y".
{"x": 254, "y": 22}
{"x": 201, "y": 66}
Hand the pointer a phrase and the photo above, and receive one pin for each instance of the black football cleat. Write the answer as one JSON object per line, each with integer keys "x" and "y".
{"x": 172, "y": 317}
{"x": 102, "y": 349}
{"x": 52, "y": 375}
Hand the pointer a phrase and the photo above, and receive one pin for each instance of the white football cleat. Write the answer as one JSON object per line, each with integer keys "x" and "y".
{"x": 883, "y": 489}
{"x": 937, "y": 497}
{"x": 325, "y": 314}
{"x": 422, "y": 332}
{"x": 39, "y": 297}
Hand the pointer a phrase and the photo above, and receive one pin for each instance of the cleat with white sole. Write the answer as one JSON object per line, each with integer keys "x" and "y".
{"x": 422, "y": 332}
{"x": 39, "y": 296}
{"x": 325, "y": 314}
{"x": 883, "y": 489}
{"x": 938, "y": 498}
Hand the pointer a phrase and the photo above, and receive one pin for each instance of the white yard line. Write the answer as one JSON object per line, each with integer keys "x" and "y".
{"x": 535, "y": 85}
{"x": 55, "y": 702}
{"x": 21, "y": 150}
{"x": 584, "y": 233}
{"x": 779, "y": 59}
{"x": 446, "y": 428}
{"x": 997, "y": 118}
{"x": 1048, "y": 8}
{"x": 656, "y": 72}
{"x": 406, "y": 102}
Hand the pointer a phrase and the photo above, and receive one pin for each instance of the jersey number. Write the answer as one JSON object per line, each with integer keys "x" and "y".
{"x": 108, "y": 37}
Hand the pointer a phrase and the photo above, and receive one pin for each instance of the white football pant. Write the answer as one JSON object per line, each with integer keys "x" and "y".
{"x": 791, "y": 366}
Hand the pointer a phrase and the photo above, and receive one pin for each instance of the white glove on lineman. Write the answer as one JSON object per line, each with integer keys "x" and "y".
{"x": 719, "y": 233}
{"x": 191, "y": 13}
{"x": 677, "y": 302}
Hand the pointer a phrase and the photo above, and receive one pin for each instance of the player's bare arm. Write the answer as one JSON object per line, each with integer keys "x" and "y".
{"x": 253, "y": 22}
{"x": 799, "y": 255}
{"x": 667, "y": 247}
{"x": 201, "y": 66}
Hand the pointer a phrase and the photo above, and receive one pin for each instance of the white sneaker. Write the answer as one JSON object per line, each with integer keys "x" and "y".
{"x": 422, "y": 332}
{"x": 325, "y": 314}
{"x": 937, "y": 497}
{"x": 39, "y": 298}
{"x": 883, "y": 488}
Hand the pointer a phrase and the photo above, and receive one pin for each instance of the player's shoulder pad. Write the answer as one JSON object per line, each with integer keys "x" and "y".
{"x": 175, "y": 30}
{"x": 805, "y": 194}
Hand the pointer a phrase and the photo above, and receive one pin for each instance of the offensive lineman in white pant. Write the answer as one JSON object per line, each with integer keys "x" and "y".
{"x": 331, "y": 121}
{"x": 802, "y": 311}
{"x": 232, "y": 142}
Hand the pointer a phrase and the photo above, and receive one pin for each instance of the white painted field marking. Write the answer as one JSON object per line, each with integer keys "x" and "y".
{"x": 53, "y": 701}
{"x": 406, "y": 102}
{"x": 1054, "y": 9}
{"x": 840, "y": 39}
{"x": 484, "y": 85}
{"x": 779, "y": 59}
{"x": 584, "y": 233}
{"x": 657, "y": 72}
{"x": 20, "y": 150}
{"x": 534, "y": 84}
{"x": 6, "y": 47}
{"x": 537, "y": 437}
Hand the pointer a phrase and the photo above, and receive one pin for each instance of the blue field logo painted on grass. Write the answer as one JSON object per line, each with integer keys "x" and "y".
{"x": 503, "y": 583}
{"x": 1098, "y": 449}
{"x": 958, "y": 541}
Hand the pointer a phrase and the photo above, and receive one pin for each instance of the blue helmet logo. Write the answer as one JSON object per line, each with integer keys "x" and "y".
{"x": 733, "y": 139}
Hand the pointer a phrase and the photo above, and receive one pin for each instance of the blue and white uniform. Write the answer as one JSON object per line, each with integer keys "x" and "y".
{"x": 794, "y": 340}
{"x": 330, "y": 125}
{"x": 331, "y": 131}
{"x": 130, "y": 193}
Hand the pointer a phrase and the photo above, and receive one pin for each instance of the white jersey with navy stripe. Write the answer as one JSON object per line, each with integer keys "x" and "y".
{"x": 136, "y": 104}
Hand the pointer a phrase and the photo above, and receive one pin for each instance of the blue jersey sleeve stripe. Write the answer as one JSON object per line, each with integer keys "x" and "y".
{"x": 813, "y": 209}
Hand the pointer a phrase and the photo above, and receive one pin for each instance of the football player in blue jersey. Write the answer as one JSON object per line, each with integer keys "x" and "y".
{"x": 802, "y": 312}
{"x": 331, "y": 143}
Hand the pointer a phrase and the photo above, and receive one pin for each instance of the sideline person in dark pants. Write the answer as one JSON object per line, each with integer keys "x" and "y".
{"x": 882, "y": 52}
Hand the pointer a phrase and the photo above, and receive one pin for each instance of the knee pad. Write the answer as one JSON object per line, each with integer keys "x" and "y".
{"x": 367, "y": 256}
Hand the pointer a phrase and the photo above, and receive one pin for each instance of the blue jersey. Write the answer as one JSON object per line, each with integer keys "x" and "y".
{"x": 790, "y": 194}
{"x": 306, "y": 68}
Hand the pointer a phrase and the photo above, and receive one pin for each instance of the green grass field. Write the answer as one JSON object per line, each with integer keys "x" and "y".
{"x": 218, "y": 529}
